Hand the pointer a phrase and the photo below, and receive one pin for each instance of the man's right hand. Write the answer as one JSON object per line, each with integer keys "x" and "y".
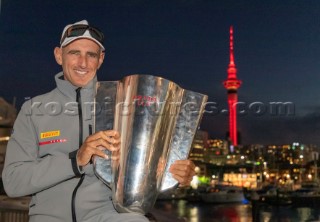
{"x": 96, "y": 143}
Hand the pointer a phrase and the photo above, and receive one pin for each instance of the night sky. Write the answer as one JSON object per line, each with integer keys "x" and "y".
{"x": 277, "y": 54}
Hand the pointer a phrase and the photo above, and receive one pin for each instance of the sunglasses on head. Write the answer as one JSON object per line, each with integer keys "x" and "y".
{"x": 79, "y": 30}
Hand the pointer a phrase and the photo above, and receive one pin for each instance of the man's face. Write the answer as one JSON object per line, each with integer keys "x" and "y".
{"x": 80, "y": 61}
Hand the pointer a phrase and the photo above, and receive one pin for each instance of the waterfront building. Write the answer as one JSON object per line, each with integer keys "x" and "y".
{"x": 199, "y": 145}
{"x": 216, "y": 152}
{"x": 197, "y": 154}
{"x": 8, "y": 115}
{"x": 294, "y": 162}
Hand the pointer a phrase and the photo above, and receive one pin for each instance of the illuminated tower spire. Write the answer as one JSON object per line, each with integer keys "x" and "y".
{"x": 232, "y": 84}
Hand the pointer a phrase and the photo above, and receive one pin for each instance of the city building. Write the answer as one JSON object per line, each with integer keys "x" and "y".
{"x": 199, "y": 145}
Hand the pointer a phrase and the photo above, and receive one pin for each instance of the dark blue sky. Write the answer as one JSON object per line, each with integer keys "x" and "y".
{"x": 276, "y": 51}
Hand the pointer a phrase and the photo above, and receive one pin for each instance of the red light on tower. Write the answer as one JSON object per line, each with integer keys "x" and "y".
{"x": 232, "y": 84}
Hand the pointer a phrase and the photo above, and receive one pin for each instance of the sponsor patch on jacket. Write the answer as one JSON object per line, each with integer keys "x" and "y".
{"x": 49, "y": 134}
{"x": 52, "y": 141}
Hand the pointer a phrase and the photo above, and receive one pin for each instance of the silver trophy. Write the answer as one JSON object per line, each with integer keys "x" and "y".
{"x": 157, "y": 121}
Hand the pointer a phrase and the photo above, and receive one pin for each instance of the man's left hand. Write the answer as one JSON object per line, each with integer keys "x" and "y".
{"x": 183, "y": 171}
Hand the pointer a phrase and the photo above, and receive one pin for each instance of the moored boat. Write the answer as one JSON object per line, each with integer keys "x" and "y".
{"x": 223, "y": 194}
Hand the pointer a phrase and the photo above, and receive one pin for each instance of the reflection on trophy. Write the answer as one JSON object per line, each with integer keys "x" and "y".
{"x": 157, "y": 121}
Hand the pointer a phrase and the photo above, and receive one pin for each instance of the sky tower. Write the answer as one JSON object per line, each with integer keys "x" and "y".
{"x": 232, "y": 84}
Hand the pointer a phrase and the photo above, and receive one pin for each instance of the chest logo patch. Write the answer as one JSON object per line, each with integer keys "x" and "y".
{"x": 49, "y": 134}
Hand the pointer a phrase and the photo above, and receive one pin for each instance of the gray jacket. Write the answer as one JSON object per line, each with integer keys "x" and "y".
{"x": 38, "y": 161}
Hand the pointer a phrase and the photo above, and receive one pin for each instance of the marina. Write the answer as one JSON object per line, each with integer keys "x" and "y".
{"x": 182, "y": 209}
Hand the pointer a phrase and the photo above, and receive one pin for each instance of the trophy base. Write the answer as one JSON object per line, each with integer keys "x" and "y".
{"x": 130, "y": 209}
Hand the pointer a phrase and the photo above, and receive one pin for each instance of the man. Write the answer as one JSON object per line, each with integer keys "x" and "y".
{"x": 48, "y": 155}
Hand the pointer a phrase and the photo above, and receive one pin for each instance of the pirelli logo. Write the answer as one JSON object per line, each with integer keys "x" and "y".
{"x": 50, "y": 134}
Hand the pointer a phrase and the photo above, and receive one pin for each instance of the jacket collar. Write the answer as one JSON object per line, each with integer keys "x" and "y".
{"x": 66, "y": 88}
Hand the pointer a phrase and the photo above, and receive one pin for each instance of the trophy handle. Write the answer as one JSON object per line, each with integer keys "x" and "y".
{"x": 104, "y": 109}
{"x": 189, "y": 116}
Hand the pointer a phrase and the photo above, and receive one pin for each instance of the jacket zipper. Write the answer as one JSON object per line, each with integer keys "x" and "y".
{"x": 74, "y": 193}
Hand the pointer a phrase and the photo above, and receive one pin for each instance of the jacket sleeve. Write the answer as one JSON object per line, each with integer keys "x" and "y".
{"x": 24, "y": 172}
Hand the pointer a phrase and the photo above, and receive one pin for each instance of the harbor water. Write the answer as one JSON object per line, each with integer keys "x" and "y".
{"x": 202, "y": 212}
{"x": 181, "y": 210}
{"x": 194, "y": 211}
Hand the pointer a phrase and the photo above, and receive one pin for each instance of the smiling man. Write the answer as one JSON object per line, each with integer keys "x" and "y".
{"x": 48, "y": 155}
